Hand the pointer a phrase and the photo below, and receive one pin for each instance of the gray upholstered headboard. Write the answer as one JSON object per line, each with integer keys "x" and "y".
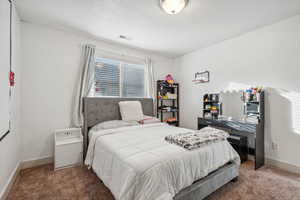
{"x": 100, "y": 109}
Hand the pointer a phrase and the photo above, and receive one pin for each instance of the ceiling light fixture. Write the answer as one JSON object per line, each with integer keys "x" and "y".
{"x": 173, "y": 7}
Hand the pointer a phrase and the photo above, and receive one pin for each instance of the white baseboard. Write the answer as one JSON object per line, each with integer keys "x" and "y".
{"x": 282, "y": 165}
{"x": 14, "y": 175}
{"x": 36, "y": 162}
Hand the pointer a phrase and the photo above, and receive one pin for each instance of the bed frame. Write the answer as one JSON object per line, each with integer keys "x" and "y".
{"x": 99, "y": 109}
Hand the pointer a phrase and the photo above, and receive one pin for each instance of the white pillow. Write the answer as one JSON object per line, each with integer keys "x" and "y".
{"x": 131, "y": 110}
{"x": 113, "y": 124}
{"x": 149, "y": 120}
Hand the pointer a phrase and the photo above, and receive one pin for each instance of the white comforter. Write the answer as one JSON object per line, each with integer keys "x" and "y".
{"x": 136, "y": 163}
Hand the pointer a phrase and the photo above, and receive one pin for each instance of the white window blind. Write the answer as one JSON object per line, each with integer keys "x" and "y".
{"x": 118, "y": 79}
{"x": 133, "y": 80}
{"x": 107, "y": 77}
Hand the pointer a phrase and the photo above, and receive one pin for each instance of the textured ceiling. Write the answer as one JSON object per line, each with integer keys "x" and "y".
{"x": 202, "y": 22}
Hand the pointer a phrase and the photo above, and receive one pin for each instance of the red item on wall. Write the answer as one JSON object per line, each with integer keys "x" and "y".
{"x": 12, "y": 78}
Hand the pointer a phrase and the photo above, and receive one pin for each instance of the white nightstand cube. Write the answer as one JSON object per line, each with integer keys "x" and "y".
{"x": 68, "y": 148}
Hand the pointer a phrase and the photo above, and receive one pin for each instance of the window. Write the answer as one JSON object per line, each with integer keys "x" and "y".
{"x": 118, "y": 79}
{"x": 107, "y": 77}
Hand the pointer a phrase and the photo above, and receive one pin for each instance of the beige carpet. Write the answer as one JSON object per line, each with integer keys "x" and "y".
{"x": 77, "y": 183}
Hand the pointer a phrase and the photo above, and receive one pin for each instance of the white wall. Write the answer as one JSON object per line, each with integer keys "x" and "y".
{"x": 10, "y": 146}
{"x": 4, "y": 63}
{"x": 269, "y": 56}
{"x": 51, "y": 61}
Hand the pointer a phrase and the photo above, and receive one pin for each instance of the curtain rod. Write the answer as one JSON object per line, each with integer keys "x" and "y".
{"x": 121, "y": 54}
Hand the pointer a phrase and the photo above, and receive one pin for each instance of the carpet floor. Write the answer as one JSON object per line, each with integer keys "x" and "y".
{"x": 78, "y": 183}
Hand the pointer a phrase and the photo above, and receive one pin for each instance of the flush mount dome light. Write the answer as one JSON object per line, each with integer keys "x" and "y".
{"x": 173, "y": 7}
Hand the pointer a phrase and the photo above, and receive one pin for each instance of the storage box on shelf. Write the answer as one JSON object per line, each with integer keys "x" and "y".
{"x": 68, "y": 148}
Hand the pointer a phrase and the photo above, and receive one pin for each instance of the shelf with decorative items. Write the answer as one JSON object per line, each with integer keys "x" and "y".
{"x": 172, "y": 121}
{"x": 168, "y": 101}
{"x": 211, "y": 106}
{"x": 253, "y": 99}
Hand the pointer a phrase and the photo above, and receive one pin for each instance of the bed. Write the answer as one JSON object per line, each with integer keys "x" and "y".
{"x": 136, "y": 163}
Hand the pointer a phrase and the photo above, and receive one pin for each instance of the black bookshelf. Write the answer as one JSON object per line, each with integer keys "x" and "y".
{"x": 211, "y": 106}
{"x": 167, "y": 102}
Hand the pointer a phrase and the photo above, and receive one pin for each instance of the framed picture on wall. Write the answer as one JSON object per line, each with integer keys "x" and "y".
{"x": 202, "y": 77}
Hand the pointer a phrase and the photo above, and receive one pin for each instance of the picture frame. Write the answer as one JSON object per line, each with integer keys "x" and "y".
{"x": 202, "y": 77}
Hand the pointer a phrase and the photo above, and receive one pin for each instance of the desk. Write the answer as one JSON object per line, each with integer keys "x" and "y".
{"x": 254, "y": 133}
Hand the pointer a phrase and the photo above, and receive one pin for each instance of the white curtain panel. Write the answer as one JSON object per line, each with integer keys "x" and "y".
{"x": 86, "y": 82}
{"x": 150, "y": 82}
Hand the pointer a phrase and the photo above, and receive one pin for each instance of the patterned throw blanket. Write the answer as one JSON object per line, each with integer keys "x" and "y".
{"x": 197, "y": 139}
